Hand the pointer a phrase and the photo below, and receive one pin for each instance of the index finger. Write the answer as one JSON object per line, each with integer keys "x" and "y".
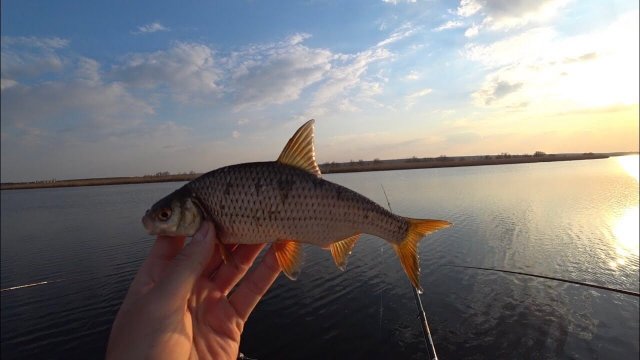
{"x": 162, "y": 252}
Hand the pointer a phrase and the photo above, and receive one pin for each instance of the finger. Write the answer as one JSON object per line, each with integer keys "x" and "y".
{"x": 229, "y": 274}
{"x": 191, "y": 261}
{"x": 163, "y": 250}
{"x": 255, "y": 285}
{"x": 166, "y": 247}
{"x": 216, "y": 260}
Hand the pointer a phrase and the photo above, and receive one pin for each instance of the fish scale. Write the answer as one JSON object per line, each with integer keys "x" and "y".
{"x": 266, "y": 202}
{"x": 287, "y": 203}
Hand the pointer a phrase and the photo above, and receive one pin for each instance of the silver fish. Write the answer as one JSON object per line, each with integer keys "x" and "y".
{"x": 286, "y": 203}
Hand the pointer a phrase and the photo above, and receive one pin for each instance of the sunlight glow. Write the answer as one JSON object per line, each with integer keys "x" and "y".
{"x": 626, "y": 232}
{"x": 631, "y": 165}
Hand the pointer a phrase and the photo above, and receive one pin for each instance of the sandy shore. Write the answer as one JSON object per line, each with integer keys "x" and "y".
{"x": 329, "y": 168}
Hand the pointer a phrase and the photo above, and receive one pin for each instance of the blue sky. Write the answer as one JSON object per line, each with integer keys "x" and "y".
{"x": 121, "y": 88}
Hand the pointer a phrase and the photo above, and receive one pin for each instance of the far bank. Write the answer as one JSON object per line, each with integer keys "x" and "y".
{"x": 331, "y": 168}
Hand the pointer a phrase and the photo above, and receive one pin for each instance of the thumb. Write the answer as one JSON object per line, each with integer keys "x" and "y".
{"x": 188, "y": 265}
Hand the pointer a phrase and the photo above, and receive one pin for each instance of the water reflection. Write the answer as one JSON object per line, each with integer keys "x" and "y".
{"x": 630, "y": 165}
{"x": 626, "y": 233}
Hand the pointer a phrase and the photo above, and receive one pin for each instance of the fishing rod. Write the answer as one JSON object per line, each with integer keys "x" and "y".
{"x": 431, "y": 349}
{"x": 620, "y": 291}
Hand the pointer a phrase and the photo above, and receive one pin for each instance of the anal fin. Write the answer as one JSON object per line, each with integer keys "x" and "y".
{"x": 289, "y": 255}
{"x": 341, "y": 250}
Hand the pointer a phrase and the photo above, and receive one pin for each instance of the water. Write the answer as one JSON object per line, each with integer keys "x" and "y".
{"x": 573, "y": 220}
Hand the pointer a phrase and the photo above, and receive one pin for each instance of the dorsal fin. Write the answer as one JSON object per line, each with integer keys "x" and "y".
{"x": 299, "y": 150}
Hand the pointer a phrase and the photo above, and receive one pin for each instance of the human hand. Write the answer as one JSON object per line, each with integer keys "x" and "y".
{"x": 178, "y": 305}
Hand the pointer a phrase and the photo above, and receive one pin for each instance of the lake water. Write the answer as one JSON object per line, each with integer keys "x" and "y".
{"x": 573, "y": 220}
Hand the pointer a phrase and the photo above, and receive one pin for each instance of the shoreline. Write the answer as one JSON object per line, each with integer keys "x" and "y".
{"x": 334, "y": 168}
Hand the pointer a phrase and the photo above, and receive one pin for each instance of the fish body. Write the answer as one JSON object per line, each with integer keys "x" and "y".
{"x": 286, "y": 203}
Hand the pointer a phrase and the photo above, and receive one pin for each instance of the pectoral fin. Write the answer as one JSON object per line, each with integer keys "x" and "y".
{"x": 289, "y": 255}
{"x": 342, "y": 249}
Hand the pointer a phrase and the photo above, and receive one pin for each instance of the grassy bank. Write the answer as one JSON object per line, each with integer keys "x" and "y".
{"x": 329, "y": 168}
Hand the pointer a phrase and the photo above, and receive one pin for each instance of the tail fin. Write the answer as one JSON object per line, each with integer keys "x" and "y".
{"x": 407, "y": 250}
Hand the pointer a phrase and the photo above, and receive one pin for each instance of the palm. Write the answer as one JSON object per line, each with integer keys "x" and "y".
{"x": 181, "y": 315}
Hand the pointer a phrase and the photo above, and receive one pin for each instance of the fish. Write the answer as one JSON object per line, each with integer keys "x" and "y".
{"x": 287, "y": 203}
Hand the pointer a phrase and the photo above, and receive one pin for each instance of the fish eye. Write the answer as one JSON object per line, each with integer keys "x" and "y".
{"x": 164, "y": 214}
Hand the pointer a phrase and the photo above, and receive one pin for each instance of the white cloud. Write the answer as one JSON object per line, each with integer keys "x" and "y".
{"x": 468, "y": 7}
{"x": 235, "y": 134}
{"x": 472, "y": 31}
{"x": 88, "y": 70}
{"x": 412, "y": 76}
{"x": 546, "y": 71}
{"x": 412, "y": 98}
{"x": 276, "y": 73}
{"x": 188, "y": 70}
{"x": 402, "y": 32}
{"x": 507, "y": 14}
{"x": 30, "y": 56}
{"x": 528, "y": 46}
{"x": 150, "y": 28}
{"x": 346, "y": 74}
{"x": 451, "y": 24}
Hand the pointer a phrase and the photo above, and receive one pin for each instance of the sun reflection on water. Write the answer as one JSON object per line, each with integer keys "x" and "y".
{"x": 626, "y": 232}
{"x": 630, "y": 164}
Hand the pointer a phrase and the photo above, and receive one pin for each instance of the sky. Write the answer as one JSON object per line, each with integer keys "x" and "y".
{"x": 120, "y": 88}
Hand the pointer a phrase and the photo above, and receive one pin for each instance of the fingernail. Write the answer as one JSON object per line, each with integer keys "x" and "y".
{"x": 203, "y": 232}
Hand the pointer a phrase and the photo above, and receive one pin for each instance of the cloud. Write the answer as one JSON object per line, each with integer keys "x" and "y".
{"x": 546, "y": 71}
{"x": 70, "y": 104}
{"x": 468, "y": 7}
{"x": 150, "y": 28}
{"x": 276, "y": 73}
{"x": 507, "y": 14}
{"x": 402, "y": 32}
{"x": 347, "y": 74}
{"x": 188, "y": 71}
{"x": 585, "y": 57}
{"x": 7, "y": 83}
{"x": 451, "y": 24}
{"x": 48, "y": 43}
{"x": 412, "y": 98}
{"x": 30, "y": 56}
{"x": 412, "y": 76}
{"x": 396, "y": 2}
{"x": 472, "y": 31}
{"x": 495, "y": 90}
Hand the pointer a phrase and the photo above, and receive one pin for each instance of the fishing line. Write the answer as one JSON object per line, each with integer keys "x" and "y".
{"x": 620, "y": 291}
{"x": 431, "y": 349}
{"x": 30, "y": 285}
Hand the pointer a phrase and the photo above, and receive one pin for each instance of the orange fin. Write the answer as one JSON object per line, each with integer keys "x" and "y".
{"x": 341, "y": 250}
{"x": 289, "y": 255}
{"x": 407, "y": 250}
{"x": 299, "y": 150}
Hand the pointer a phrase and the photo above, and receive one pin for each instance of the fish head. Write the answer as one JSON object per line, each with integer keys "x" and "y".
{"x": 174, "y": 215}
